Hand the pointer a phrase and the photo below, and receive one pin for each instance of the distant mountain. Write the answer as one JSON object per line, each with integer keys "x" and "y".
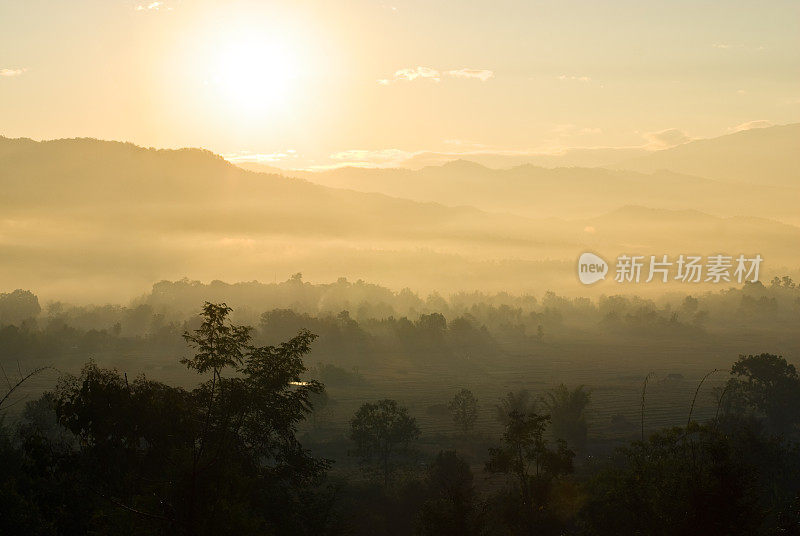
{"x": 764, "y": 156}
{"x": 573, "y": 157}
{"x": 198, "y": 189}
{"x": 89, "y": 219}
{"x": 565, "y": 192}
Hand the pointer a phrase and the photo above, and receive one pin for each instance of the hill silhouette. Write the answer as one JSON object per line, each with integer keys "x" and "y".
{"x": 85, "y": 217}
{"x": 765, "y": 156}
{"x": 752, "y": 172}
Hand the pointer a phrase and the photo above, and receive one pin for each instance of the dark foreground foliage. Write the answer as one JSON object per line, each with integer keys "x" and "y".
{"x": 105, "y": 454}
{"x": 144, "y": 457}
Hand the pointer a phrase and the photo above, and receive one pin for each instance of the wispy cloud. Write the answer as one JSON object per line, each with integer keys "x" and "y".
{"x": 372, "y": 158}
{"x": 664, "y": 139}
{"x": 409, "y": 74}
{"x": 261, "y": 158}
{"x": 561, "y": 144}
{"x": 152, "y": 6}
{"x": 574, "y": 78}
{"x": 758, "y": 123}
{"x": 413, "y": 73}
{"x": 730, "y": 46}
{"x": 479, "y": 74}
{"x": 11, "y": 73}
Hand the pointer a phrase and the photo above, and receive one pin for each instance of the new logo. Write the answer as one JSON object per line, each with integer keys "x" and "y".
{"x": 591, "y": 268}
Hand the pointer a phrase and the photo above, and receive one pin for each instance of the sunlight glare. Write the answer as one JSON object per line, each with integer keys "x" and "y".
{"x": 254, "y": 75}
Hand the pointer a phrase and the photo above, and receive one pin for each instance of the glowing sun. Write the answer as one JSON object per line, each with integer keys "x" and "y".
{"x": 254, "y": 75}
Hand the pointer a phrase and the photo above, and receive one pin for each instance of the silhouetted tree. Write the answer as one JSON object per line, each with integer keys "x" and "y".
{"x": 525, "y": 454}
{"x": 464, "y": 407}
{"x": 381, "y": 432}
{"x": 767, "y": 387}
{"x": 521, "y": 401}
{"x": 451, "y": 509}
{"x": 674, "y": 485}
{"x": 568, "y": 414}
{"x": 18, "y": 306}
{"x": 220, "y": 459}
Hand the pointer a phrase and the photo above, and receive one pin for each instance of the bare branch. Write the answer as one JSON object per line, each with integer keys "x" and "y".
{"x": 3, "y": 370}
{"x": 22, "y": 380}
{"x": 115, "y": 502}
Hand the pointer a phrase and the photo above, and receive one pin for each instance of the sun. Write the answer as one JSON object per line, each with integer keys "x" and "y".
{"x": 254, "y": 75}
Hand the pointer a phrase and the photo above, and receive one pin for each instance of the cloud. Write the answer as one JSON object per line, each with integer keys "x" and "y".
{"x": 413, "y": 73}
{"x": 410, "y": 74}
{"x": 758, "y": 123}
{"x": 574, "y": 78}
{"x": 731, "y": 46}
{"x": 480, "y": 74}
{"x": 664, "y": 139}
{"x": 261, "y": 158}
{"x": 372, "y": 158}
{"x": 11, "y": 73}
{"x": 152, "y": 6}
{"x": 489, "y": 156}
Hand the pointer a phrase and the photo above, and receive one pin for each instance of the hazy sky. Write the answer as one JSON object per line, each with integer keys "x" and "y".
{"x": 320, "y": 82}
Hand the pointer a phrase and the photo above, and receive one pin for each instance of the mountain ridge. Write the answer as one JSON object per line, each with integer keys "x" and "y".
{"x": 112, "y": 217}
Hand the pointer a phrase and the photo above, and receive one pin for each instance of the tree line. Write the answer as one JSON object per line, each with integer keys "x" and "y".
{"x": 104, "y": 453}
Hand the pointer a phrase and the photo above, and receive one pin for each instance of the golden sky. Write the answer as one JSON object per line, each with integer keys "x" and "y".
{"x": 318, "y": 83}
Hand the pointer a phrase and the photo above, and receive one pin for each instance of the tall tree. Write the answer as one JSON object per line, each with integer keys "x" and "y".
{"x": 451, "y": 509}
{"x": 768, "y": 387}
{"x": 567, "y": 410}
{"x": 219, "y": 459}
{"x": 525, "y": 454}
{"x": 521, "y": 401}
{"x": 464, "y": 408}
{"x": 382, "y": 432}
{"x": 18, "y": 306}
